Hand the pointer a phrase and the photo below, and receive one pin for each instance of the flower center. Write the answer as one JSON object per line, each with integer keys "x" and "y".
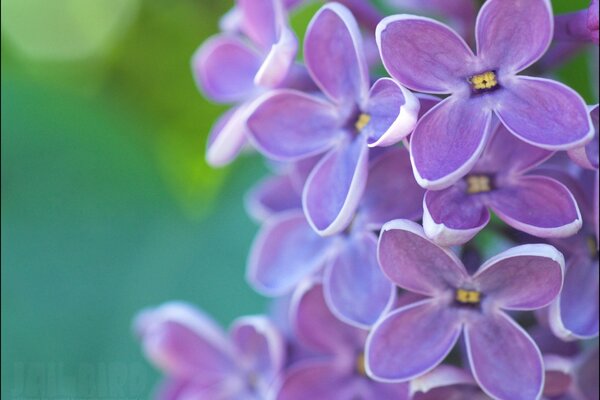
{"x": 467, "y": 297}
{"x": 478, "y": 183}
{"x": 360, "y": 364}
{"x": 484, "y": 82}
{"x": 362, "y": 121}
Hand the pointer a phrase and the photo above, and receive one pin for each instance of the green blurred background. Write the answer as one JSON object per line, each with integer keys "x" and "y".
{"x": 107, "y": 203}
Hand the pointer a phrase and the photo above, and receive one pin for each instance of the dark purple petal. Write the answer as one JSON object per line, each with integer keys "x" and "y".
{"x": 559, "y": 371}
{"x": 271, "y": 196}
{"x": 227, "y": 137}
{"x": 289, "y": 125}
{"x": 504, "y": 359}
{"x": 587, "y": 374}
{"x": 335, "y": 186}
{"x": 544, "y": 112}
{"x": 317, "y": 380}
{"x": 423, "y": 54}
{"x": 452, "y": 217}
{"x": 333, "y": 53}
{"x": 578, "y": 303}
{"x": 411, "y": 341}
{"x": 448, "y": 140}
{"x": 587, "y": 156}
{"x": 317, "y": 328}
{"x": 224, "y": 68}
{"x": 391, "y": 192}
{"x": 285, "y": 251}
{"x": 508, "y": 154}
{"x": 522, "y": 278}
{"x": 385, "y": 391}
{"x": 415, "y": 263}
{"x": 538, "y": 205}
{"x": 356, "y": 290}
{"x": 513, "y": 34}
{"x": 393, "y": 111}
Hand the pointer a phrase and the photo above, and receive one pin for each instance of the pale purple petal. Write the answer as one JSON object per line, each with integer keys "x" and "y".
{"x": 335, "y": 186}
{"x": 578, "y": 302}
{"x": 587, "y": 156}
{"x": 393, "y": 111}
{"x": 224, "y": 69}
{"x": 538, "y": 205}
{"x": 333, "y": 53}
{"x": 544, "y": 113}
{"x": 411, "y": 341}
{"x": 391, "y": 192}
{"x": 452, "y": 217}
{"x": 513, "y": 34}
{"x": 317, "y": 380}
{"x": 285, "y": 251}
{"x": 289, "y": 125}
{"x": 260, "y": 20}
{"x": 356, "y": 290}
{"x": 317, "y": 328}
{"x": 508, "y": 154}
{"x": 448, "y": 140}
{"x": 524, "y": 277}
{"x": 439, "y": 377}
{"x": 227, "y": 137}
{"x": 415, "y": 263}
{"x": 504, "y": 359}
{"x": 271, "y": 196}
{"x": 423, "y": 54}
{"x": 279, "y": 60}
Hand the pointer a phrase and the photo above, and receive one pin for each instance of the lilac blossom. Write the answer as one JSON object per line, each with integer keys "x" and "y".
{"x": 337, "y": 372}
{"x": 427, "y": 56}
{"x": 414, "y": 339}
{"x": 287, "y": 250}
{"x": 201, "y": 361}
{"x": 538, "y": 205}
{"x": 343, "y": 122}
{"x": 238, "y": 67}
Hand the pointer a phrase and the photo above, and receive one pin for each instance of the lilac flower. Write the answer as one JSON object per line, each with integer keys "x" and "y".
{"x": 414, "y": 339}
{"x": 446, "y": 382}
{"x": 290, "y": 125}
{"x": 538, "y": 205}
{"x": 427, "y": 56}
{"x": 337, "y": 373}
{"x": 580, "y": 26}
{"x": 587, "y": 156}
{"x": 200, "y": 361}
{"x": 230, "y": 68}
{"x": 287, "y": 250}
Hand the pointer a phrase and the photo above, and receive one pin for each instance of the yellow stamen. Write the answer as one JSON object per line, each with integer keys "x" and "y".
{"x": 362, "y": 121}
{"x": 468, "y": 296}
{"x": 360, "y": 364}
{"x": 486, "y": 80}
{"x": 478, "y": 184}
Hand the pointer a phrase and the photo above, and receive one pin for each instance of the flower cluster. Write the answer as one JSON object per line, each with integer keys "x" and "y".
{"x": 456, "y": 198}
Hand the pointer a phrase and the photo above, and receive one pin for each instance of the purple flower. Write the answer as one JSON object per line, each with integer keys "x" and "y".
{"x": 535, "y": 204}
{"x": 287, "y": 250}
{"x": 290, "y": 125}
{"x": 337, "y": 372}
{"x": 201, "y": 361}
{"x": 414, "y": 339}
{"x": 231, "y": 68}
{"x": 427, "y": 56}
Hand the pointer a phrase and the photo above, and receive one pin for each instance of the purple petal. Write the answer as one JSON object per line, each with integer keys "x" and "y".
{"x": 279, "y": 61}
{"x": 423, "y": 54}
{"x": 224, "y": 69}
{"x": 522, "y": 278}
{"x": 317, "y": 328}
{"x": 587, "y": 156}
{"x": 414, "y": 263}
{"x": 558, "y": 375}
{"x": 317, "y": 380}
{"x": 393, "y": 111}
{"x": 448, "y": 140}
{"x": 544, "y": 113}
{"x": 259, "y": 20}
{"x": 504, "y": 359}
{"x": 271, "y": 196}
{"x": 333, "y": 53}
{"x": 391, "y": 192}
{"x": 538, "y": 205}
{"x": 285, "y": 251}
{"x": 356, "y": 290}
{"x": 411, "y": 341}
{"x": 452, "y": 217}
{"x": 587, "y": 374}
{"x": 440, "y": 377}
{"x": 335, "y": 186}
{"x": 386, "y": 391}
{"x": 289, "y": 125}
{"x": 578, "y": 302}
{"x": 227, "y": 137}
{"x": 513, "y": 34}
{"x": 507, "y": 153}
{"x": 185, "y": 343}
